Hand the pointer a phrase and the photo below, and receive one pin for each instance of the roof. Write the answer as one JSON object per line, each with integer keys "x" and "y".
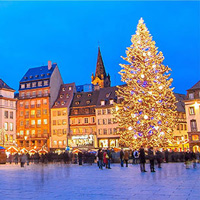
{"x": 3, "y": 85}
{"x": 65, "y": 96}
{"x": 195, "y": 87}
{"x": 106, "y": 94}
{"x": 180, "y": 102}
{"x": 85, "y": 99}
{"x": 38, "y": 73}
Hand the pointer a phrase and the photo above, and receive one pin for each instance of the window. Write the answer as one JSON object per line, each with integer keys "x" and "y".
{"x": 45, "y": 111}
{"x": 64, "y": 112}
{"x": 64, "y": 121}
{"x": 103, "y": 111}
{"x": 27, "y": 122}
{"x": 21, "y": 113}
{"x": 22, "y": 94}
{"x": 22, "y": 86}
{"x": 32, "y": 112}
{"x": 32, "y": 122}
{"x": 63, "y": 89}
{"x": 93, "y": 120}
{"x": 105, "y": 131}
{"x": 21, "y": 123}
{"x": 98, "y": 112}
{"x": 77, "y": 102}
{"x": 88, "y": 102}
{"x": 109, "y": 111}
{"x": 102, "y": 102}
{"x": 39, "y": 121}
{"x": 109, "y": 121}
{"x": 54, "y": 122}
{"x": 104, "y": 121}
{"x": 28, "y": 85}
{"x": 193, "y": 124}
{"x": 45, "y": 131}
{"x": 191, "y": 110}
{"x": 59, "y": 122}
{"x": 67, "y": 96}
{"x": 27, "y": 132}
{"x": 54, "y": 113}
{"x": 45, "y": 101}
{"x": 11, "y": 126}
{"x": 55, "y": 142}
{"x": 89, "y": 95}
{"x": 11, "y": 138}
{"x": 39, "y": 83}
{"x": 100, "y": 131}
{"x": 195, "y": 137}
{"x": 191, "y": 96}
{"x": 6, "y": 114}
{"x": 33, "y": 84}
{"x": 59, "y": 113}
{"x": 85, "y": 120}
{"x": 107, "y": 95}
{"x": 181, "y": 126}
{"x": 45, "y": 121}
{"x": 6, "y": 102}
{"x": 46, "y": 82}
{"x": 111, "y": 101}
{"x": 70, "y": 88}
{"x": 21, "y": 132}
{"x": 11, "y": 103}
{"x": 45, "y": 92}
{"x": 75, "y": 112}
{"x": 185, "y": 127}
{"x": 110, "y": 130}
{"x": 99, "y": 121}
{"x": 6, "y": 126}
{"x": 79, "y": 121}
{"x": 78, "y": 96}
{"x": 32, "y": 104}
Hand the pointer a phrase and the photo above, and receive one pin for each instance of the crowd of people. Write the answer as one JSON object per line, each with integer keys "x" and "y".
{"x": 104, "y": 158}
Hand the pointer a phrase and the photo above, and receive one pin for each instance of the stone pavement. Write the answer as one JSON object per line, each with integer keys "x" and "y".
{"x": 73, "y": 182}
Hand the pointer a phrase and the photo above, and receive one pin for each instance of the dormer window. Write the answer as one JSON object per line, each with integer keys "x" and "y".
{"x": 61, "y": 96}
{"x": 25, "y": 77}
{"x": 31, "y": 76}
{"x": 67, "y": 96}
{"x": 88, "y": 102}
{"x": 70, "y": 88}
{"x": 36, "y": 76}
{"x": 107, "y": 95}
{"x": 102, "y": 103}
{"x": 191, "y": 96}
{"x": 56, "y": 103}
{"x": 42, "y": 75}
{"x": 78, "y": 96}
{"x": 63, "y": 103}
{"x": 89, "y": 95}
{"x": 77, "y": 102}
{"x": 63, "y": 89}
{"x": 48, "y": 74}
{"x": 111, "y": 101}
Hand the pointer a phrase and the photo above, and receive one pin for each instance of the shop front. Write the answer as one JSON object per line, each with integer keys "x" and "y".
{"x": 108, "y": 142}
{"x": 82, "y": 141}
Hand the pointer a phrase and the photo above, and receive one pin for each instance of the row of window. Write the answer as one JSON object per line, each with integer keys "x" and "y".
{"x": 59, "y": 122}
{"x": 34, "y": 84}
{"x": 7, "y": 138}
{"x": 8, "y": 126}
{"x": 59, "y": 143}
{"x": 182, "y": 127}
{"x": 59, "y": 113}
{"x": 8, "y": 114}
{"x": 192, "y": 110}
{"x": 33, "y": 103}
{"x": 33, "y": 112}
{"x": 85, "y": 120}
{"x": 106, "y": 121}
{"x": 59, "y": 131}
{"x": 33, "y": 122}
{"x": 191, "y": 95}
{"x": 8, "y": 103}
{"x": 33, "y": 132}
{"x": 107, "y": 131}
{"x": 104, "y": 111}
{"x": 82, "y": 131}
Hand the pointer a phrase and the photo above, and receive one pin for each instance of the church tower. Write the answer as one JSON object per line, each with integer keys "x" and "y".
{"x": 101, "y": 79}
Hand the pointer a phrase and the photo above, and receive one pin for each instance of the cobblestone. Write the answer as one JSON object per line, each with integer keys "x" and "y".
{"x": 71, "y": 182}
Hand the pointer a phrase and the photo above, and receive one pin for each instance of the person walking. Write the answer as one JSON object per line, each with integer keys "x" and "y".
{"x": 166, "y": 155}
{"x": 159, "y": 158}
{"x": 126, "y": 157}
{"x": 23, "y": 159}
{"x": 142, "y": 159}
{"x": 136, "y": 156}
{"x": 100, "y": 157}
{"x": 80, "y": 157}
{"x": 109, "y": 153}
{"x": 151, "y": 159}
{"x": 187, "y": 159}
{"x": 105, "y": 159}
{"x": 122, "y": 157}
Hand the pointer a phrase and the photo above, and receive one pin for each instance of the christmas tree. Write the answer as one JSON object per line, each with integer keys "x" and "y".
{"x": 146, "y": 114}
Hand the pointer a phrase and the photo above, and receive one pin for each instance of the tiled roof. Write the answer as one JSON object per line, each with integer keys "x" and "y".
{"x": 38, "y": 73}
{"x": 196, "y": 86}
{"x": 107, "y": 94}
{"x": 65, "y": 96}
{"x": 180, "y": 102}
{"x": 85, "y": 99}
{"x": 3, "y": 85}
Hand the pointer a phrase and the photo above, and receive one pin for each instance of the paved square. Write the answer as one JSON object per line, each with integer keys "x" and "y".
{"x": 60, "y": 181}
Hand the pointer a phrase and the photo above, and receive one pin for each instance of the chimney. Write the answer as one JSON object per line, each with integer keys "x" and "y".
{"x": 49, "y": 65}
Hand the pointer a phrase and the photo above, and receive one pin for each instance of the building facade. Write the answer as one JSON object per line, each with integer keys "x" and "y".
{"x": 7, "y": 115}
{"x": 83, "y": 120}
{"x": 192, "y": 107}
{"x": 106, "y": 125}
{"x": 38, "y": 91}
{"x": 60, "y": 118}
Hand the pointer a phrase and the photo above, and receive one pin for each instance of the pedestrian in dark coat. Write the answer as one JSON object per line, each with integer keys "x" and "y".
{"x": 142, "y": 159}
{"x": 122, "y": 157}
{"x": 80, "y": 157}
{"x": 187, "y": 159}
{"x": 151, "y": 159}
{"x": 126, "y": 157}
{"x": 193, "y": 158}
{"x": 159, "y": 158}
{"x": 100, "y": 156}
{"x": 166, "y": 156}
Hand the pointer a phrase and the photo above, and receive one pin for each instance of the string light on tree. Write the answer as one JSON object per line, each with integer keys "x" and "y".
{"x": 147, "y": 96}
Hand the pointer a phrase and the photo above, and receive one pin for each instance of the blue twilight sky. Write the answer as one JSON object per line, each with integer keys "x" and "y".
{"x": 68, "y": 33}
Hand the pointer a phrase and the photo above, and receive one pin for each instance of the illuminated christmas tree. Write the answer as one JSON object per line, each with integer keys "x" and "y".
{"x": 146, "y": 115}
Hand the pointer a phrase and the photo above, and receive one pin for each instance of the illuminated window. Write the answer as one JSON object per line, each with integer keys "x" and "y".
{"x": 102, "y": 102}
{"x": 77, "y": 102}
{"x": 27, "y": 132}
{"x": 11, "y": 126}
{"x": 32, "y": 112}
{"x": 59, "y": 122}
{"x": 64, "y": 112}
{"x": 191, "y": 96}
{"x": 59, "y": 113}
{"x": 64, "y": 121}
{"x": 6, "y": 137}
{"x": 21, "y": 104}
{"x": 28, "y": 85}
{"x": 11, "y": 138}
{"x": 191, "y": 111}
{"x": 45, "y": 121}
{"x": 109, "y": 121}
{"x": 67, "y": 96}
{"x": 70, "y": 88}
{"x": 22, "y": 86}
{"x": 33, "y": 84}
{"x": 46, "y": 82}
{"x": 39, "y": 121}
{"x": 75, "y": 112}
{"x": 109, "y": 111}
{"x": 39, "y": 83}
{"x": 21, "y": 123}
{"x": 6, "y": 126}
{"x": 21, "y": 132}
{"x": 111, "y": 101}
{"x": 63, "y": 89}
{"x": 32, "y": 122}
{"x": 55, "y": 142}
{"x": 45, "y": 111}
{"x": 195, "y": 137}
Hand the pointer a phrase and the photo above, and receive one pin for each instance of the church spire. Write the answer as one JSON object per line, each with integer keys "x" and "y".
{"x": 101, "y": 78}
